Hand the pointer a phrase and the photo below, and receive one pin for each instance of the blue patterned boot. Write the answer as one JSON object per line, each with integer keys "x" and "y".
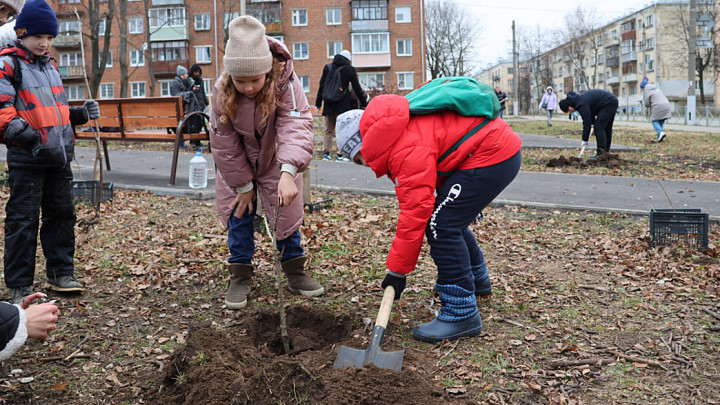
{"x": 458, "y": 316}
{"x": 483, "y": 286}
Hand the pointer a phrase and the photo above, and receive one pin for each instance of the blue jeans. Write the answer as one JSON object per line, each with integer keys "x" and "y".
{"x": 31, "y": 191}
{"x": 463, "y": 196}
{"x": 241, "y": 241}
{"x": 658, "y": 125}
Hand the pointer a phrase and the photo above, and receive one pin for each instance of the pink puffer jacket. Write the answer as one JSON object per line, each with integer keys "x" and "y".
{"x": 243, "y": 156}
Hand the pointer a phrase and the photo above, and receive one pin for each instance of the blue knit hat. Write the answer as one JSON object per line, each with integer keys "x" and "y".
{"x": 36, "y": 18}
{"x": 644, "y": 82}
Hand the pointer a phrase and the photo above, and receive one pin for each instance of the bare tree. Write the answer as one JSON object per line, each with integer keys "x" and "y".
{"x": 581, "y": 38}
{"x": 99, "y": 22}
{"x": 533, "y": 44}
{"x": 122, "y": 46}
{"x": 705, "y": 58}
{"x": 450, "y": 36}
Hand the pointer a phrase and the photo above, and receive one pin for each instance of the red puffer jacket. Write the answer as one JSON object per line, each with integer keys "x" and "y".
{"x": 407, "y": 148}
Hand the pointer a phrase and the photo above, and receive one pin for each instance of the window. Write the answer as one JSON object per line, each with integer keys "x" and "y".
{"x": 137, "y": 89}
{"x": 510, "y": 70}
{"x": 369, "y": 10}
{"x": 202, "y": 54}
{"x": 371, "y": 43}
{"x": 649, "y": 21}
{"x": 136, "y": 25}
{"x": 371, "y": 80}
{"x": 202, "y": 22}
{"x": 69, "y": 27}
{"x": 71, "y": 59}
{"x": 402, "y": 15}
{"x": 167, "y": 17}
{"x": 650, "y": 43}
{"x": 101, "y": 27}
{"x": 109, "y": 62}
{"x": 137, "y": 58}
{"x": 301, "y": 50}
{"x": 169, "y": 50}
{"x": 76, "y": 92}
{"x": 600, "y": 40}
{"x": 208, "y": 85}
{"x": 165, "y": 87}
{"x": 305, "y": 81}
{"x": 107, "y": 90}
{"x": 601, "y": 77}
{"x": 405, "y": 81}
{"x": 299, "y": 18}
{"x": 404, "y": 47}
{"x": 334, "y": 48}
{"x": 649, "y": 63}
{"x": 333, "y": 16}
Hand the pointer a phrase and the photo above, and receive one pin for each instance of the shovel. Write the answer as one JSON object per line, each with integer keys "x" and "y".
{"x": 356, "y": 358}
{"x": 582, "y": 151}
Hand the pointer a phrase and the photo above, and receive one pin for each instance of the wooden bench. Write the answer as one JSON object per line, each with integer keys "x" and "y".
{"x": 141, "y": 120}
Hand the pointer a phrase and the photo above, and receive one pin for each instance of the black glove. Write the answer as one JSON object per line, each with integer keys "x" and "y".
{"x": 93, "y": 109}
{"x": 398, "y": 284}
{"x": 19, "y": 133}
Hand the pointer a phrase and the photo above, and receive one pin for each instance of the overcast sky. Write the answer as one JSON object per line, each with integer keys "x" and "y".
{"x": 496, "y": 16}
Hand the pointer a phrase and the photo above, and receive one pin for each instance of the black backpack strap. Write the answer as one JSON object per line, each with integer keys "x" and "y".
{"x": 16, "y": 78}
{"x": 459, "y": 142}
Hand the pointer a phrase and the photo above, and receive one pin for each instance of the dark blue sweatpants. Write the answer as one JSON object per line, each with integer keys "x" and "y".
{"x": 457, "y": 204}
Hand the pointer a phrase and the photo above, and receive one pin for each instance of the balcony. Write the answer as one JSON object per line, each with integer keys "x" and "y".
{"x": 72, "y": 72}
{"x": 612, "y": 80}
{"x": 168, "y": 67}
{"x": 613, "y": 61}
{"x": 371, "y": 60}
{"x": 629, "y": 77}
{"x": 628, "y": 35}
{"x": 629, "y": 57}
{"x": 67, "y": 40}
{"x": 269, "y": 13}
{"x": 169, "y": 34}
{"x": 168, "y": 2}
{"x": 368, "y": 25}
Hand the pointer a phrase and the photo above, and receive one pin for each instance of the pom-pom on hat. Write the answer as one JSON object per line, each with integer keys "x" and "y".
{"x": 564, "y": 105}
{"x": 247, "y": 52}
{"x": 181, "y": 70}
{"x": 644, "y": 82}
{"x": 36, "y": 18}
{"x": 347, "y": 133}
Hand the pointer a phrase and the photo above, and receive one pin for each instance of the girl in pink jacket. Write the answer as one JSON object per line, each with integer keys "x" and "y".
{"x": 262, "y": 139}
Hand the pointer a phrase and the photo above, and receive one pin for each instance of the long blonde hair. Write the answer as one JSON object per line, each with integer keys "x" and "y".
{"x": 267, "y": 98}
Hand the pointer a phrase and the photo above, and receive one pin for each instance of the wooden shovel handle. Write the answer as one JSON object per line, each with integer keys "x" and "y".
{"x": 385, "y": 306}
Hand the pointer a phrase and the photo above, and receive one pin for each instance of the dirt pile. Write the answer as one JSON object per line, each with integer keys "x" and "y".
{"x": 609, "y": 160}
{"x": 244, "y": 363}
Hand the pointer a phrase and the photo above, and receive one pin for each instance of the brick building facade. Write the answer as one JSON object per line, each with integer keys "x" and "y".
{"x": 384, "y": 36}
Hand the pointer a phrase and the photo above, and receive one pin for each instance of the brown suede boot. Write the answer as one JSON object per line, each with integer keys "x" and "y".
{"x": 298, "y": 281}
{"x": 240, "y": 285}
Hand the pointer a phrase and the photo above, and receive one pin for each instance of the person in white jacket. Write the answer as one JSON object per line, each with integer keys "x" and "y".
{"x": 659, "y": 106}
{"x": 549, "y": 103}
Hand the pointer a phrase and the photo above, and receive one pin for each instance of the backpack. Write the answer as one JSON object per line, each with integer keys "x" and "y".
{"x": 464, "y": 95}
{"x": 333, "y": 90}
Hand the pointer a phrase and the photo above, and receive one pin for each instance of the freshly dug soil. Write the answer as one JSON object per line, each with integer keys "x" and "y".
{"x": 244, "y": 363}
{"x": 610, "y": 160}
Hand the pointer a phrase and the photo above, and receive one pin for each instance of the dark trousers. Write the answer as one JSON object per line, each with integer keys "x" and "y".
{"x": 603, "y": 127}
{"x": 241, "y": 241}
{"x": 33, "y": 191}
{"x": 463, "y": 196}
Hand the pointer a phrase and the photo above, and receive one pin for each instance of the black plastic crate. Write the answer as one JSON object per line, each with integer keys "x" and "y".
{"x": 86, "y": 192}
{"x": 682, "y": 228}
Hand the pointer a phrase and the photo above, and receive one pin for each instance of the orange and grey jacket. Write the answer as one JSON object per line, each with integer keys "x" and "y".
{"x": 35, "y": 119}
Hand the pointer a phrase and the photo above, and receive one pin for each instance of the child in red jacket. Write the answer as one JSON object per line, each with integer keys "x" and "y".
{"x": 446, "y": 168}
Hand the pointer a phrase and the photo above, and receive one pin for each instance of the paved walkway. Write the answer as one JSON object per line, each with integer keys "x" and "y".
{"x": 142, "y": 170}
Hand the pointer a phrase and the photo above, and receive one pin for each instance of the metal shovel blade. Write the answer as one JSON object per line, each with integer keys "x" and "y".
{"x": 356, "y": 358}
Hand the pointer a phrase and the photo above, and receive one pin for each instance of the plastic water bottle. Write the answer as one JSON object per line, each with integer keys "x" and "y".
{"x": 198, "y": 171}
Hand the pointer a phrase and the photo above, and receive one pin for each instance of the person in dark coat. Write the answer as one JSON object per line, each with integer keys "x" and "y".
{"x": 182, "y": 86}
{"x": 502, "y": 98}
{"x": 596, "y": 107}
{"x": 198, "y": 121}
{"x": 348, "y": 77}
{"x": 21, "y": 321}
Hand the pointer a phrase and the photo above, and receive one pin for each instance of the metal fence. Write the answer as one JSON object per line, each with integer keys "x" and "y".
{"x": 707, "y": 116}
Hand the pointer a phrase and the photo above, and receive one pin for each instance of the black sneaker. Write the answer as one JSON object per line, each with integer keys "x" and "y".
{"x": 64, "y": 284}
{"x": 18, "y": 294}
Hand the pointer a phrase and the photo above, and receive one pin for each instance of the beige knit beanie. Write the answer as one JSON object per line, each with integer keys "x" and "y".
{"x": 247, "y": 52}
{"x": 16, "y": 5}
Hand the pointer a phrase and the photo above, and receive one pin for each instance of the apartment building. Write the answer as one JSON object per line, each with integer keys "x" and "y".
{"x": 386, "y": 38}
{"x": 648, "y": 42}
{"x": 501, "y": 75}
